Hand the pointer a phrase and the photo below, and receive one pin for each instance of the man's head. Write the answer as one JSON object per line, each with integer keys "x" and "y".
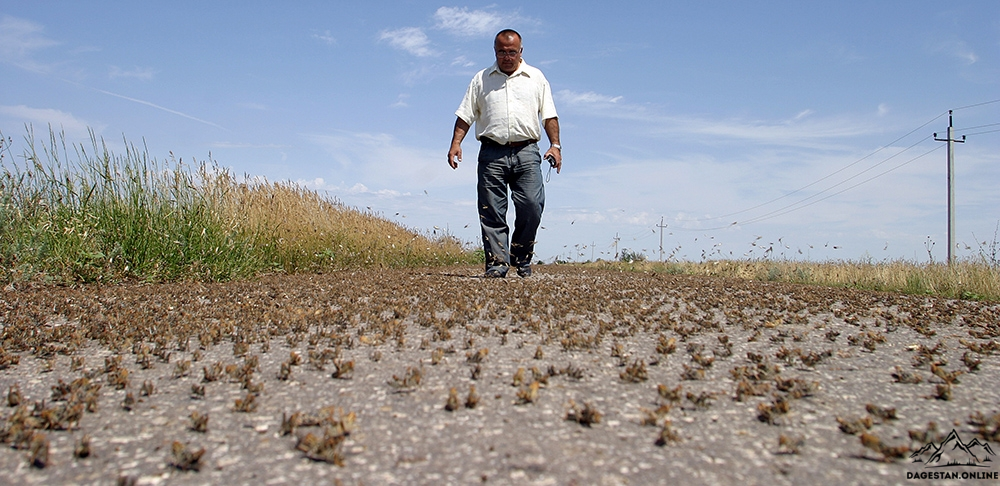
{"x": 507, "y": 47}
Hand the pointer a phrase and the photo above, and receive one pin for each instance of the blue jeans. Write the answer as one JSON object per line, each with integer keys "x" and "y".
{"x": 518, "y": 169}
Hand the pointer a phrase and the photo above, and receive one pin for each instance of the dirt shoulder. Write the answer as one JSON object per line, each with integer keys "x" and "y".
{"x": 693, "y": 380}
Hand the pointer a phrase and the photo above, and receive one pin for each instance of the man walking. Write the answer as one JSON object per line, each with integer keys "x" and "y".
{"x": 505, "y": 101}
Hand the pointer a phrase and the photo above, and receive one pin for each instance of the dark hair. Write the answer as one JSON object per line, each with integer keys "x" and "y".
{"x": 508, "y": 33}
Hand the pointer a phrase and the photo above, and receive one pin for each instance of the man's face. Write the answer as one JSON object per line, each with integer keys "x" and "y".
{"x": 508, "y": 51}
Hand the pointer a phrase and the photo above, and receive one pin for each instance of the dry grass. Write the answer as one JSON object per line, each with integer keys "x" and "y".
{"x": 311, "y": 231}
{"x": 964, "y": 280}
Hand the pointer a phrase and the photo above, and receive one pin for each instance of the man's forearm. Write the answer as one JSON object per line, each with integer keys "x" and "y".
{"x": 461, "y": 129}
{"x": 555, "y": 151}
{"x": 552, "y": 130}
{"x": 455, "y": 152}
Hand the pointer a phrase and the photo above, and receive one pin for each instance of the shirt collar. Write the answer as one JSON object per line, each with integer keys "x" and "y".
{"x": 519, "y": 71}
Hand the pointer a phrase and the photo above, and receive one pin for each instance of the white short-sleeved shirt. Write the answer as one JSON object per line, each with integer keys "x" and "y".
{"x": 507, "y": 108}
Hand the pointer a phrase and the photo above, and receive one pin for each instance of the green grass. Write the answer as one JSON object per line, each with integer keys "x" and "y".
{"x": 74, "y": 213}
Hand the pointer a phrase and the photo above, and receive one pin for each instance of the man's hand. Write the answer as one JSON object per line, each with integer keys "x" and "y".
{"x": 455, "y": 156}
{"x": 551, "y": 126}
{"x": 455, "y": 153}
{"x": 556, "y": 155}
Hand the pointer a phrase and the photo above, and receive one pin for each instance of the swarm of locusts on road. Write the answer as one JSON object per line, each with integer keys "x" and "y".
{"x": 97, "y": 374}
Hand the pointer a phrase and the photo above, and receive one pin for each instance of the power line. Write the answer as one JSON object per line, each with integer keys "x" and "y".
{"x": 792, "y": 207}
{"x": 976, "y": 127}
{"x": 769, "y": 216}
{"x": 980, "y": 133}
{"x": 802, "y": 203}
{"x": 977, "y": 104}
{"x": 798, "y": 204}
{"x": 911, "y": 132}
{"x": 848, "y": 166}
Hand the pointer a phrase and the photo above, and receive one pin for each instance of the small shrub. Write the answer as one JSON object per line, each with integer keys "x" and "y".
{"x": 631, "y": 256}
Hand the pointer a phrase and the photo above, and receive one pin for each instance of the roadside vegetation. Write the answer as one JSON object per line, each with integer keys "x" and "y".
{"x": 78, "y": 213}
{"x": 974, "y": 279}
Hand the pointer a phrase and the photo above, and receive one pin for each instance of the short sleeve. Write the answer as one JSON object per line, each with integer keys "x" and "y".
{"x": 467, "y": 109}
{"x": 547, "y": 107}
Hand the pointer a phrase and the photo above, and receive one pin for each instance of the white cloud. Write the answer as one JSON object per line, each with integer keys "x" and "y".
{"x": 238, "y": 145}
{"x": 796, "y": 132}
{"x": 380, "y": 160}
{"x": 804, "y": 129}
{"x": 359, "y": 189}
{"x": 959, "y": 50}
{"x": 802, "y": 114}
{"x": 252, "y": 106}
{"x": 401, "y": 101}
{"x": 84, "y": 50}
{"x": 20, "y": 39}
{"x": 968, "y": 56}
{"x": 462, "y": 61}
{"x": 463, "y": 22}
{"x": 590, "y": 97}
{"x": 325, "y": 38}
{"x": 475, "y": 23}
{"x": 136, "y": 73}
{"x": 58, "y": 119}
{"x": 409, "y": 39}
{"x": 412, "y": 185}
{"x": 321, "y": 184}
{"x": 846, "y": 54}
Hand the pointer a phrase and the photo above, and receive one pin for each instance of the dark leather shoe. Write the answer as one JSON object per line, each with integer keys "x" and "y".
{"x": 524, "y": 272}
{"x": 496, "y": 272}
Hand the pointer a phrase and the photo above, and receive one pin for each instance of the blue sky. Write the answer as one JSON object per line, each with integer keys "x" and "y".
{"x": 770, "y": 115}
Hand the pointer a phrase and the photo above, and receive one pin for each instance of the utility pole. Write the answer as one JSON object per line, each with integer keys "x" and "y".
{"x": 661, "y": 226}
{"x": 616, "y": 246}
{"x": 951, "y": 186}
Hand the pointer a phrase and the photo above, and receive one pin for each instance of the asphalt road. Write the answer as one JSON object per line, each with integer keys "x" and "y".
{"x": 581, "y": 376}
